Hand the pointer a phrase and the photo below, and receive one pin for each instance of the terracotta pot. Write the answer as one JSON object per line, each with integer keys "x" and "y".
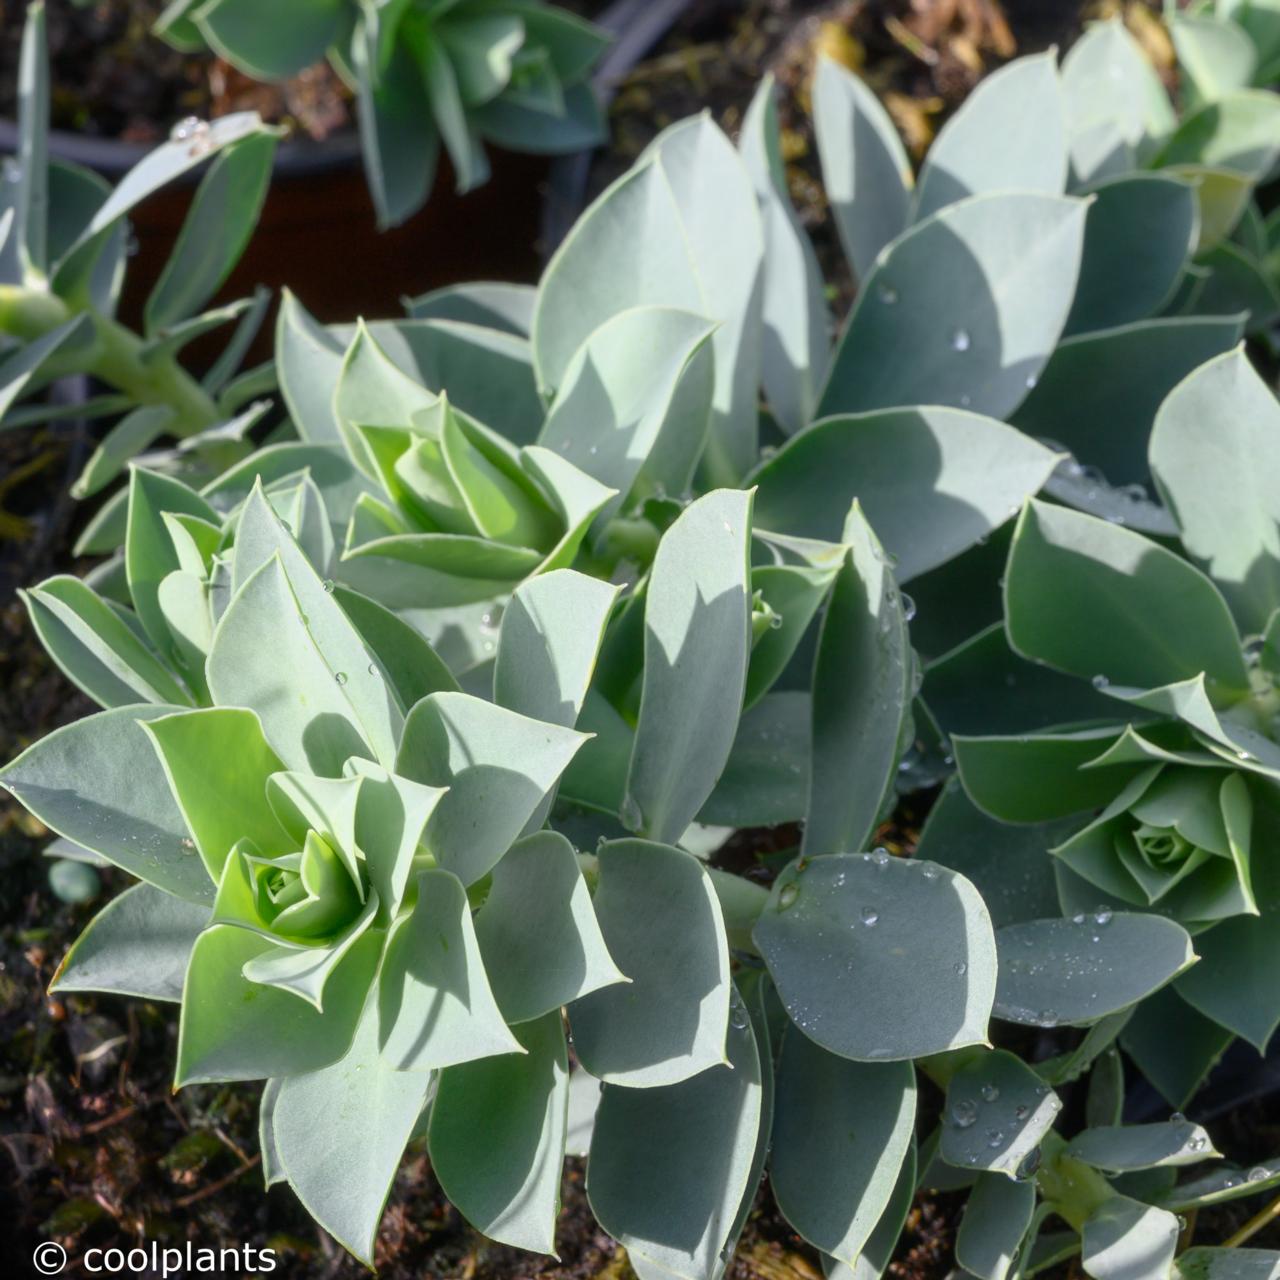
{"x": 318, "y": 235}
{"x": 317, "y": 232}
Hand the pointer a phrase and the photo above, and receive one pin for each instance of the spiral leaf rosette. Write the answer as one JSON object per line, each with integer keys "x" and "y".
{"x": 464, "y": 516}
{"x": 1176, "y": 839}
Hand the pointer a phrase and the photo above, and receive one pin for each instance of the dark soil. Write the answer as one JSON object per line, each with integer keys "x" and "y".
{"x": 99, "y": 1151}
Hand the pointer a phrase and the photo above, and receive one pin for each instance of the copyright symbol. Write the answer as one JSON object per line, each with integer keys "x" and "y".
{"x": 49, "y": 1258}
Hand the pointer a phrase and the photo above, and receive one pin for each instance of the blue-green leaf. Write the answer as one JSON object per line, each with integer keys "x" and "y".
{"x": 661, "y": 921}
{"x": 978, "y": 294}
{"x": 137, "y": 945}
{"x": 1021, "y": 105}
{"x": 671, "y": 1165}
{"x": 917, "y": 937}
{"x": 696, "y": 646}
{"x": 841, "y": 1132}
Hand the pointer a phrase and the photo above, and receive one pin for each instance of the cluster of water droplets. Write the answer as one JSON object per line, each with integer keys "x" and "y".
{"x": 1098, "y": 920}
{"x": 490, "y": 621}
{"x": 1085, "y": 487}
{"x": 1001, "y": 1126}
{"x": 195, "y": 133}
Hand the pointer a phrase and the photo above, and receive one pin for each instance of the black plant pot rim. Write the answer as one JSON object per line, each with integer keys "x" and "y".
{"x": 635, "y": 24}
{"x": 114, "y": 157}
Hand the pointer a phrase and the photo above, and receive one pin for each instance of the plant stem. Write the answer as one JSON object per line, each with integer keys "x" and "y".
{"x": 1073, "y": 1189}
{"x": 1254, "y": 1225}
{"x": 741, "y": 902}
{"x": 116, "y": 356}
{"x": 940, "y": 1067}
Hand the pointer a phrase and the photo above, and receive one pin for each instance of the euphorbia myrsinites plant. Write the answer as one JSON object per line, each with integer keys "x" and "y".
{"x": 63, "y": 248}
{"x": 425, "y": 73}
{"x": 421, "y": 733}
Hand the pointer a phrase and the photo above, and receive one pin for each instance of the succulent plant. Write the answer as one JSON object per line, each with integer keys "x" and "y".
{"x": 1173, "y": 790}
{"x": 63, "y": 249}
{"x": 425, "y": 72}
{"x": 306, "y": 844}
{"x": 1176, "y": 258}
{"x": 140, "y": 627}
{"x": 539, "y": 576}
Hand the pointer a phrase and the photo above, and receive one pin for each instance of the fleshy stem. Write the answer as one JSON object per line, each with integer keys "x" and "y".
{"x": 1254, "y": 1225}
{"x": 1074, "y": 1189}
{"x": 115, "y": 355}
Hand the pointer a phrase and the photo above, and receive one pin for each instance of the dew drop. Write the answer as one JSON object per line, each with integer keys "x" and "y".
{"x": 880, "y": 857}
{"x": 1048, "y": 1017}
{"x": 990, "y": 1093}
{"x": 187, "y": 129}
{"x": 929, "y": 870}
{"x": 1102, "y": 917}
{"x": 1021, "y": 1111}
{"x": 1031, "y": 381}
{"x": 870, "y": 915}
{"x": 964, "y": 1113}
{"x": 1100, "y": 682}
{"x": 960, "y": 340}
{"x": 1197, "y": 1143}
{"x": 994, "y": 1138}
{"x": 1177, "y": 1118}
{"x": 340, "y": 677}
{"x": 1258, "y": 1174}
{"x": 1078, "y": 919}
{"x": 738, "y": 1017}
{"x": 328, "y": 586}
{"x": 908, "y": 608}
{"x": 373, "y": 668}
{"x": 787, "y": 897}
{"x": 887, "y": 294}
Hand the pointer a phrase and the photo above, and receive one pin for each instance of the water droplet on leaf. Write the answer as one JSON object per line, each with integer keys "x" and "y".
{"x": 188, "y": 128}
